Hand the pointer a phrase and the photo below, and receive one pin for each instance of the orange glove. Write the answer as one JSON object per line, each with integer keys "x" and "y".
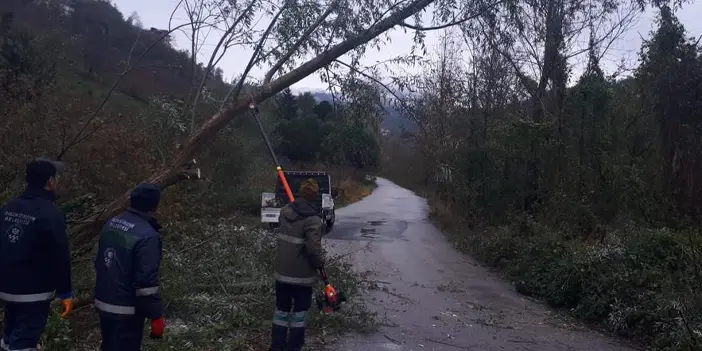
{"x": 67, "y": 307}
{"x": 157, "y": 328}
{"x": 67, "y": 302}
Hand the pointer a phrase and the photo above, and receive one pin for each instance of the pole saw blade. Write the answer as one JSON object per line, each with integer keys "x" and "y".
{"x": 279, "y": 169}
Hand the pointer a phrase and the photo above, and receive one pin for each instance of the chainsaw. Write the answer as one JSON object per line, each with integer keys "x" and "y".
{"x": 330, "y": 298}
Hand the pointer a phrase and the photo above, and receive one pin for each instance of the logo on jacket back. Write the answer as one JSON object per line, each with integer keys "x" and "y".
{"x": 109, "y": 257}
{"x": 14, "y": 233}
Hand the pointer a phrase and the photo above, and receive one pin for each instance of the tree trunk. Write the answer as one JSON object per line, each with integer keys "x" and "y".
{"x": 84, "y": 233}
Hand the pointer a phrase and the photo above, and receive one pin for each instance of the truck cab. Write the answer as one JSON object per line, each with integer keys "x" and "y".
{"x": 272, "y": 203}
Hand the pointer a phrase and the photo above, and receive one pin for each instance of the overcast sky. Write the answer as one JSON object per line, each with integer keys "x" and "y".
{"x": 156, "y": 13}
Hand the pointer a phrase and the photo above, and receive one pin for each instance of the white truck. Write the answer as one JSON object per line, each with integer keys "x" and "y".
{"x": 272, "y": 203}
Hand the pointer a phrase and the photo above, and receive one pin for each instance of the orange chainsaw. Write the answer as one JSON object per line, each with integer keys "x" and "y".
{"x": 329, "y": 299}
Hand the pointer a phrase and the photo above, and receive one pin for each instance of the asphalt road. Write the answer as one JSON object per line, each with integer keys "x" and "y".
{"x": 432, "y": 297}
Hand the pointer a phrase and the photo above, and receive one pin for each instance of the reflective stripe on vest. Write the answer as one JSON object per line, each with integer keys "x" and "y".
{"x": 114, "y": 309}
{"x": 294, "y": 280}
{"x": 147, "y": 291}
{"x": 26, "y": 297}
{"x": 290, "y": 239}
{"x": 298, "y": 319}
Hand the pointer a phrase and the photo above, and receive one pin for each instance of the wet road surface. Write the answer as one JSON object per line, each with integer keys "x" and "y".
{"x": 432, "y": 297}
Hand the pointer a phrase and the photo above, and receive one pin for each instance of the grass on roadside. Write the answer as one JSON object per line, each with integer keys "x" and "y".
{"x": 218, "y": 293}
{"x": 352, "y": 190}
{"x": 637, "y": 282}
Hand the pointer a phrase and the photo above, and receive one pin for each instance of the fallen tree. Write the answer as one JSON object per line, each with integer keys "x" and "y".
{"x": 181, "y": 166}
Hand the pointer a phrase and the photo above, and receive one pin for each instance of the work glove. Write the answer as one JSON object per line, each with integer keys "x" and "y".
{"x": 67, "y": 302}
{"x": 157, "y": 328}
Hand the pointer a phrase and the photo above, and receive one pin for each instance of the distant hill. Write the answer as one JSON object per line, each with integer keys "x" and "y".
{"x": 393, "y": 120}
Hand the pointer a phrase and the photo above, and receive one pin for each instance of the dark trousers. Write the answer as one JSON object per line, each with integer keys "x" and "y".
{"x": 291, "y": 305}
{"x": 121, "y": 333}
{"x": 23, "y": 324}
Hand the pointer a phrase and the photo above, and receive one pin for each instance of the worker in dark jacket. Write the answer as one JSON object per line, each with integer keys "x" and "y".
{"x": 35, "y": 261}
{"x": 126, "y": 273}
{"x": 298, "y": 258}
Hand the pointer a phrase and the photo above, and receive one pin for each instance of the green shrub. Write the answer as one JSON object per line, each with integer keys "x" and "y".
{"x": 638, "y": 283}
{"x": 57, "y": 335}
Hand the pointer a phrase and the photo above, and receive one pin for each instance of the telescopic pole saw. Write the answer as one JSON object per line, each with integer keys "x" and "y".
{"x": 286, "y": 186}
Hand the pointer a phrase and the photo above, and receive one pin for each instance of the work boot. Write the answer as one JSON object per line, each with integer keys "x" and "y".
{"x": 279, "y": 338}
{"x": 297, "y": 339}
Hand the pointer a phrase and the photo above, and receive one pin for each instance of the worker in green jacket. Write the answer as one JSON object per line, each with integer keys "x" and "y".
{"x": 298, "y": 258}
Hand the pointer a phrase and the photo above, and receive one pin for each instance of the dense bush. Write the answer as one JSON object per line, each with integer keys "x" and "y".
{"x": 639, "y": 283}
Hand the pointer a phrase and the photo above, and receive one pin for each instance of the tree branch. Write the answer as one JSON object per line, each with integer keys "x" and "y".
{"x": 455, "y": 22}
{"x": 517, "y": 70}
{"x": 377, "y": 81}
{"x": 210, "y": 64}
{"x": 236, "y": 89}
{"x": 104, "y": 122}
{"x": 84, "y": 234}
{"x": 127, "y": 69}
{"x": 195, "y": 15}
{"x": 170, "y": 19}
{"x": 614, "y": 33}
{"x": 193, "y": 48}
{"x": 299, "y": 42}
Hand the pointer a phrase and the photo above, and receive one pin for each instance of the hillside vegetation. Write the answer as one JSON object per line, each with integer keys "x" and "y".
{"x": 55, "y": 81}
{"x": 586, "y": 195}
{"x": 116, "y": 101}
